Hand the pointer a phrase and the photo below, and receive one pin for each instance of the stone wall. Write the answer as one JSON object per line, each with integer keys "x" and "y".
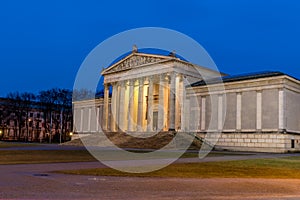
{"x": 259, "y": 142}
{"x": 254, "y": 142}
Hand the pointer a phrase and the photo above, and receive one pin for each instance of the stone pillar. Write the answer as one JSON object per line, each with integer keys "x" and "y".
{"x": 130, "y": 106}
{"x": 118, "y": 88}
{"x": 258, "y": 110}
{"x": 178, "y": 101}
{"x": 89, "y": 119}
{"x": 140, "y": 113}
{"x": 220, "y": 112}
{"x": 183, "y": 107}
{"x": 172, "y": 99}
{"x": 239, "y": 111}
{"x": 203, "y": 112}
{"x": 281, "y": 111}
{"x": 122, "y": 114}
{"x": 162, "y": 107}
{"x": 194, "y": 113}
{"x": 105, "y": 107}
{"x": 150, "y": 106}
{"x": 81, "y": 120}
{"x": 97, "y": 119}
{"x": 114, "y": 108}
{"x": 187, "y": 109}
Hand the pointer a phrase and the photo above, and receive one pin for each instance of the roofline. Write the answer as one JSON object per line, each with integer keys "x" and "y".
{"x": 243, "y": 78}
{"x": 134, "y": 54}
{"x": 169, "y": 58}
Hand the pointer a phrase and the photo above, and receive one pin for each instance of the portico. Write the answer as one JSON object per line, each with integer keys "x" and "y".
{"x": 147, "y": 92}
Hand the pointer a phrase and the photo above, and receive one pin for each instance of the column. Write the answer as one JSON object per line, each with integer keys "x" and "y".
{"x": 150, "y": 106}
{"x": 122, "y": 117}
{"x": 89, "y": 119}
{"x": 118, "y": 89}
{"x": 258, "y": 110}
{"x": 81, "y": 120}
{"x": 281, "y": 111}
{"x": 97, "y": 119}
{"x": 172, "y": 103}
{"x": 130, "y": 106}
{"x": 239, "y": 111}
{"x": 183, "y": 106}
{"x": 105, "y": 107}
{"x": 187, "y": 110}
{"x": 203, "y": 112}
{"x": 161, "y": 107}
{"x": 178, "y": 101}
{"x": 113, "y": 108}
{"x": 140, "y": 114}
{"x": 220, "y": 112}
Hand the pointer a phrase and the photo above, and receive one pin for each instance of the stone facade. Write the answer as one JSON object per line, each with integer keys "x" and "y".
{"x": 153, "y": 93}
{"x": 261, "y": 114}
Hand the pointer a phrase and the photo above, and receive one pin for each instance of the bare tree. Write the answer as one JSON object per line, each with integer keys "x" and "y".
{"x": 15, "y": 108}
{"x": 26, "y": 105}
{"x": 64, "y": 102}
{"x": 47, "y": 99}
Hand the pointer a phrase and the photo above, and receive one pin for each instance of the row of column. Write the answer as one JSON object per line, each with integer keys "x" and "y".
{"x": 129, "y": 111}
{"x": 199, "y": 112}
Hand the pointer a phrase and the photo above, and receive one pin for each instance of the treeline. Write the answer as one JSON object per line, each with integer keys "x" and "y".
{"x": 52, "y": 108}
{"x": 46, "y": 116}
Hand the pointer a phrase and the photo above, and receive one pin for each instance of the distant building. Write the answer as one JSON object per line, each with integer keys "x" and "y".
{"x": 31, "y": 124}
{"x": 164, "y": 93}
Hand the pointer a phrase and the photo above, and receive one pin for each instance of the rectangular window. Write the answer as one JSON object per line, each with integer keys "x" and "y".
{"x": 292, "y": 144}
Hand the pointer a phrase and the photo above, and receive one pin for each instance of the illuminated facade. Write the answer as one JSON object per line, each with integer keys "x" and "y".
{"x": 156, "y": 93}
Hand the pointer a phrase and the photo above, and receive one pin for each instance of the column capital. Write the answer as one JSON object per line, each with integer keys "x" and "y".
{"x": 122, "y": 83}
{"x": 113, "y": 84}
{"x": 150, "y": 78}
{"x": 141, "y": 79}
{"x": 130, "y": 82}
{"x": 180, "y": 76}
{"x": 164, "y": 77}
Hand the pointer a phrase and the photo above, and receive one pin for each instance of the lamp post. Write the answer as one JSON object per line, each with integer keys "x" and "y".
{"x": 60, "y": 134}
{"x": 27, "y": 136}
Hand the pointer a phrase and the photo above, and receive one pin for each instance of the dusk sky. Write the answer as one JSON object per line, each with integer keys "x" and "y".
{"x": 43, "y": 43}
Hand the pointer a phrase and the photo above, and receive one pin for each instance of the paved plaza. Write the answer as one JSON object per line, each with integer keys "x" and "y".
{"x": 37, "y": 181}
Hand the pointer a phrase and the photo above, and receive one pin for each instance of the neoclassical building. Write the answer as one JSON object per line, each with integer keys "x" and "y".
{"x": 149, "y": 93}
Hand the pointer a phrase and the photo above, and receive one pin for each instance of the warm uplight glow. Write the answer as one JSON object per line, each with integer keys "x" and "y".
{"x": 0, "y": 132}
{"x": 71, "y": 133}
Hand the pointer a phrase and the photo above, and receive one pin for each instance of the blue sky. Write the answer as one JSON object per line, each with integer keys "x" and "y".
{"x": 43, "y": 43}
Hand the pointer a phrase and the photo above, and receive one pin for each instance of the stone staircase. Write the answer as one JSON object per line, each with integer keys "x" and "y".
{"x": 124, "y": 140}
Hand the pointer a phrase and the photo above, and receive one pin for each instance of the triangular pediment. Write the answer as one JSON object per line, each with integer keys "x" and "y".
{"x": 134, "y": 60}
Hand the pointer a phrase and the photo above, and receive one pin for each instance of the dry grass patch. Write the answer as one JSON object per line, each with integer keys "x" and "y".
{"x": 43, "y": 156}
{"x": 14, "y": 144}
{"x": 256, "y": 168}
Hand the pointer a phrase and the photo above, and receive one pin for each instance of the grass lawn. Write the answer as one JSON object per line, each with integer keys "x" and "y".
{"x": 55, "y": 156}
{"x": 43, "y": 156}
{"x": 13, "y": 144}
{"x": 288, "y": 167}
